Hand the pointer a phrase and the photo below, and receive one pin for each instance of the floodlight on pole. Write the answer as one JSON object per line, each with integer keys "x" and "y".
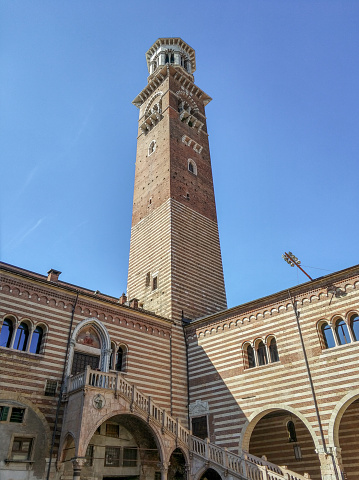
{"x": 293, "y": 261}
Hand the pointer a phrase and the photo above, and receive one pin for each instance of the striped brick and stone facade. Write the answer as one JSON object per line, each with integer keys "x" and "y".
{"x": 175, "y": 266}
{"x": 150, "y": 347}
{"x": 166, "y": 383}
{"x": 252, "y": 395}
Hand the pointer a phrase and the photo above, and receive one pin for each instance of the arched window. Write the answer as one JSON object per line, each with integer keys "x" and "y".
{"x": 22, "y": 337}
{"x": 328, "y": 336}
{"x": 354, "y": 325}
{"x": 36, "y": 341}
{"x": 192, "y": 167}
{"x": 151, "y": 147}
{"x": 341, "y": 329}
{"x": 119, "y": 359}
{"x": 273, "y": 351}
{"x": 6, "y": 333}
{"x": 292, "y": 435}
{"x": 262, "y": 354}
{"x": 250, "y": 357}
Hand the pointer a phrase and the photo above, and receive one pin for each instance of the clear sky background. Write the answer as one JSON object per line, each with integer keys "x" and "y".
{"x": 283, "y": 127}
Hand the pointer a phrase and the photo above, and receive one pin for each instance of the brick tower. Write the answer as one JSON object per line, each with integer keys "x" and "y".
{"x": 175, "y": 259}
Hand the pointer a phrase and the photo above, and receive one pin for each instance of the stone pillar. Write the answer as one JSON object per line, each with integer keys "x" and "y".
{"x": 330, "y": 463}
{"x": 162, "y": 58}
{"x": 164, "y": 470}
{"x": 77, "y": 464}
{"x": 177, "y": 58}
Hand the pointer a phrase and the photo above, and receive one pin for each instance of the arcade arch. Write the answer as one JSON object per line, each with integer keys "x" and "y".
{"x": 122, "y": 445}
{"x": 343, "y": 428}
{"x": 285, "y": 437}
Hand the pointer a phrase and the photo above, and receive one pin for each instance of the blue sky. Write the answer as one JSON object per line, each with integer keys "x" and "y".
{"x": 283, "y": 128}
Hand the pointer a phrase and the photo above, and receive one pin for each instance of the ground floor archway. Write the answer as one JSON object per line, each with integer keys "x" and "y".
{"x": 123, "y": 447}
{"x": 284, "y": 439}
{"x": 210, "y": 474}
{"x": 348, "y": 440}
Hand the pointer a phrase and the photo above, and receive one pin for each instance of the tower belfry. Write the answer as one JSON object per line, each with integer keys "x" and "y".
{"x": 175, "y": 264}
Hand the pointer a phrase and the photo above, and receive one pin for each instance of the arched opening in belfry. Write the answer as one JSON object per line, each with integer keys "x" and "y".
{"x": 348, "y": 440}
{"x": 123, "y": 446}
{"x": 282, "y": 438}
{"x": 210, "y": 474}
{"x": 177, "y": 466}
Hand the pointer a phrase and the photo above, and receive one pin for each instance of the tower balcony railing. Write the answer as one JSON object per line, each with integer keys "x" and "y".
{"x": 245, "y": 467}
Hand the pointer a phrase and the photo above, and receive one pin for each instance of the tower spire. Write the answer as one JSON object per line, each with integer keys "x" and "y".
{"x": 175, "y": 260}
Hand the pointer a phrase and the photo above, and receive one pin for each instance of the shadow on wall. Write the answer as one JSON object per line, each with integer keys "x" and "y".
{"x": 233, "y": 402}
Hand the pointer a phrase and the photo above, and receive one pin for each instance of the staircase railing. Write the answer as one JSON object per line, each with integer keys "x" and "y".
{"x": 247, "y": 466}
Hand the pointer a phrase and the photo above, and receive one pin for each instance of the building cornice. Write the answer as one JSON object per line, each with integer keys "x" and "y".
{"x": 86, "y": 294}
{"x": 298, "y": 291}
{"x": 178, "y": 74}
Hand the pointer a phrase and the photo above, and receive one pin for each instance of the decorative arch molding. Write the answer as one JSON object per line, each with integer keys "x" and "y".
{"x": 337, "y": 415}
{"x": 186, "y": 97}
{"x": 259, "y": 413}
{"x": 184, "y": 453}
{"x": 104, "y": 338}
{"x": 16, "y": 397}
{"x": 150, "y": 103}
{"x": 204, "y": 468}
{"x": 62, "y": 452}
{"x": 159, "y": 438}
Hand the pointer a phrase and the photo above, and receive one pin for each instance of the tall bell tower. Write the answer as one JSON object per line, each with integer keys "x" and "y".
{"x": 175, "y": 266}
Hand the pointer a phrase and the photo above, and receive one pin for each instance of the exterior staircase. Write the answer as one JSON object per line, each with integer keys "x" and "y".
{"x": 242, "y": 467}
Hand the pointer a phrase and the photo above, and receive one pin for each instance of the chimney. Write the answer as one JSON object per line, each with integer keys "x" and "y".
{"x": 134, "y": 303}
{"x": 123, "y": 299}
{"x": 53, "y": 275}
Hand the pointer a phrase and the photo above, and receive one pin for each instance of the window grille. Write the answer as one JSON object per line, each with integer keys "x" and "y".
{"x": 50, "y": 388}
{"x": 112, "y": 456}
{"x": 112, "y": 430}
{"x": 89, "y": 456}
{"x": 17, "y": 415}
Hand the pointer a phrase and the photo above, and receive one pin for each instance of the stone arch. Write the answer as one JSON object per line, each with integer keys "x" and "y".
{"x": 157, "y": 436}
{"x": 16, "y": 397}
{"x": 284, "y": 436}
{"x": 214, "y": 472}
{"x": 338, "y": 412}
{"x": 104, "y": 338}
{"x": 178, "y": 462}
{"x": 151, "y": 103}
{"x": 259, "y": 413}
{"x": 69, "y": 437}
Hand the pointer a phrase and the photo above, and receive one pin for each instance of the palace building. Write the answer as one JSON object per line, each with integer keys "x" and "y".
{"x": 166, "y": 382}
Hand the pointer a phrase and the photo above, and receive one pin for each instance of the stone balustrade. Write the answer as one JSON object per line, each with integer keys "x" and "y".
{"x": 244, "y": 467}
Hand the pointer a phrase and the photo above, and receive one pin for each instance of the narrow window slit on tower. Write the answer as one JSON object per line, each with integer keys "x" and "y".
{"x": 154, "y": 283}
{"x": 148, "y": 279}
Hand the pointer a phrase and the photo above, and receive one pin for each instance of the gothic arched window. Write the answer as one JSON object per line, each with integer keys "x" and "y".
{"x": 192, "y": 167}
{"x": 273, "y": 351}
{"x": 341, "y": 329}
{"x": 119, "y": 359}
{"x": 327, "y": 334}
{"x": 22, "y": 337}
{"x": 7, "y": 330}
{"x": 36, "y": 341}
{"x": 152, "y": 147}
{"x": 262, "y": 354}
{"x": 292, "y": 435}
{"x": 250, "y": 357}
{"x": 354, "y": 325}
